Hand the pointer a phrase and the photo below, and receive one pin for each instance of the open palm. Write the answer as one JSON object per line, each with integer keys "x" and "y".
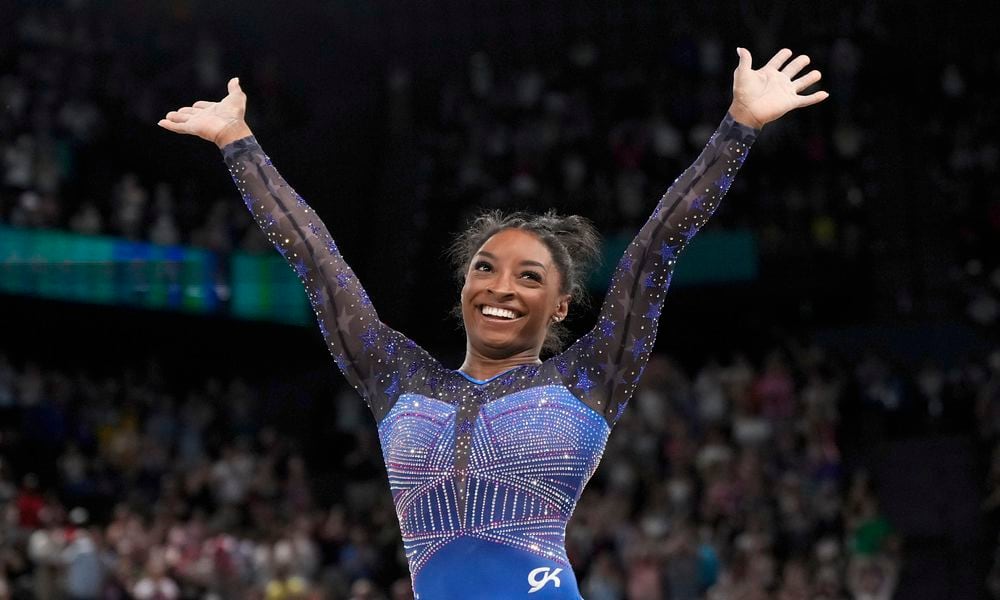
{"x": 765, "y": 94}
{"x": 210, "y": 120}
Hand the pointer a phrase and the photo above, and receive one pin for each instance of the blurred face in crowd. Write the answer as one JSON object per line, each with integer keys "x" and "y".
{"x": 511, "y": 294}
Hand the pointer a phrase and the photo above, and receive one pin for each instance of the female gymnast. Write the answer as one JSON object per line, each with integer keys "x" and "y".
{"x": 486, "y": 463}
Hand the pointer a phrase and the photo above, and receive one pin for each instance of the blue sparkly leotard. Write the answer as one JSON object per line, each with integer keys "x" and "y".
{"x": 485, "y": 474}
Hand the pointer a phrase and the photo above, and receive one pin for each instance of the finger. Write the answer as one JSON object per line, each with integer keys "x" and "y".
{"x": 792, "y": 69}
{"x": 177, "y": 117}
{"x": 746, "y": 61}
{"x": 188, "y": 110}
{"x": 202, "y": 104}
{"x": 234, "y": 86}
{"x": 779, "y": 58}
{"x": 806, "y": 80}
{"x": 813, "y": 98}
{"x": 171, "y": 126}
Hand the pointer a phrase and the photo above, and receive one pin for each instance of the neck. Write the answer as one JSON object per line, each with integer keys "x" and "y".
{"x": 480, "y": 366}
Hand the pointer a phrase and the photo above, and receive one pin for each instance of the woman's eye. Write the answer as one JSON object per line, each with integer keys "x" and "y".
{"x": 532, "y": 275}
{"x": 482, "y": 266}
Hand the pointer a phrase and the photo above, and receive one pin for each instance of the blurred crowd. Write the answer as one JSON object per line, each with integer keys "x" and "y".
{"x": 126, "y": 487}
{"x": 724, "y": 482}
{"x": 78, "y": 84}
{"x": 583, "y": 130}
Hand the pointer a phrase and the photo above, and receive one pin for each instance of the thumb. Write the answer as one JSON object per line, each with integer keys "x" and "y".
{"x": 745, "y": 59}
{"x": 234, "y": 86}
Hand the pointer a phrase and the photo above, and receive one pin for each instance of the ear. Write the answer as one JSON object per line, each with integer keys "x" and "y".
{"x": 562, "y": 308}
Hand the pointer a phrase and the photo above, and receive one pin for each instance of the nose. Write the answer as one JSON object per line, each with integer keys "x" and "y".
{"x": 501, "y": 291}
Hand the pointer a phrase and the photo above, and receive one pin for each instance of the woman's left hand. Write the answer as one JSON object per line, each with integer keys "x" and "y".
{"x": 763, "y": 95}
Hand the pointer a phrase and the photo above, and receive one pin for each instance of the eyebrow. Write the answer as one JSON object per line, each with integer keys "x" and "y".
{"x": 533, "y": 263}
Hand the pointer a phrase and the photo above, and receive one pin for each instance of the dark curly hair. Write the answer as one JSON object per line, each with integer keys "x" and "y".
{"x": 572, "y": 240}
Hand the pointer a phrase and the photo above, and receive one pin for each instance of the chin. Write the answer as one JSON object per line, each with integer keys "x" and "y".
{"x": 498, "y": 348}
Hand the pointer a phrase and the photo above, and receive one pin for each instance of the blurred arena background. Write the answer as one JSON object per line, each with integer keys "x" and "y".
{"x": 821, "y": 420}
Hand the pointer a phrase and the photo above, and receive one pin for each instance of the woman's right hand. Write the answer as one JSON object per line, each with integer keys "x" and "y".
{"x": 218, "y": 122}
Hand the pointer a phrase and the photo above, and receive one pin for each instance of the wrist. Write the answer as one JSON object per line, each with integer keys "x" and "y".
{"x": 233, "y": 131}
{"x": 743, "y": 116}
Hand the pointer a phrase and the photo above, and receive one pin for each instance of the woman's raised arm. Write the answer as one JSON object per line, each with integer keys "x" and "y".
{"x": 604, "y": 365}
{"x": 367, "y": 351}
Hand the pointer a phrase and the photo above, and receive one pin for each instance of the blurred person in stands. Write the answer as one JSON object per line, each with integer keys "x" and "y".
{"x": 487, "y": 462}
{"x": 30, "y": 503}
{"x": 156, "y": 584}
{"x": 84, "y": 566}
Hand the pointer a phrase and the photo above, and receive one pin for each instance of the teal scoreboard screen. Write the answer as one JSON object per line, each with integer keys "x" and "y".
{"x": 107, "y": 270}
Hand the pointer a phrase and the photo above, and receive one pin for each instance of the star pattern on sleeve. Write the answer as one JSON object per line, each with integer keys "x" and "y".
{"x": 586, "y": 342}
{"x": 562, "y": 365}
{"x": 690, "y": 232}
{"x": 412, "y": 369}
{"x": 638, "y": 347}
{"x": 301, "y": 269}
{"x": 606, "y": 327}
{"x": 626, "y": 264}
{"x": 363, "y": 297}
{"x": 269, "y": 221}
{"x": 369, "y": 337}
{"x": 392, "y": 390}
{"x": 666, "y": 252}
{"x": 319, "y": 297}
{"x": 390, "y": 347}
{"x": 583, "y": 381}
{"x": 620, "y": 410}
{"x": 653, "y": 313}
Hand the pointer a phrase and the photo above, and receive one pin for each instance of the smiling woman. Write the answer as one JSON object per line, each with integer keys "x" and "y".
{"x": 570, "y": 246}
{"x": 512, "y": 294}
{"x": 487, "y": 462}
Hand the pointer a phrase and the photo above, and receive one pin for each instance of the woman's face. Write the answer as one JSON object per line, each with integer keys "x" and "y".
{"x": 511, "y": 294}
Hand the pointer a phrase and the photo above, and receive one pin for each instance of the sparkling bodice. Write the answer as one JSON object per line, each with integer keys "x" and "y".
{"x": 530, "y": 454}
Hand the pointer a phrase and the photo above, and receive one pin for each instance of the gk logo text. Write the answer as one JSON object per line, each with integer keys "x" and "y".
{"x": 547, "y": 574}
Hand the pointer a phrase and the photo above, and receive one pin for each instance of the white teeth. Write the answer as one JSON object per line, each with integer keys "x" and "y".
{"x": 498, "y": 312}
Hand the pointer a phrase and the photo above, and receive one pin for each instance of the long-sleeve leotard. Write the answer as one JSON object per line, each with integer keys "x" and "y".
{"x": 485, "y": 474}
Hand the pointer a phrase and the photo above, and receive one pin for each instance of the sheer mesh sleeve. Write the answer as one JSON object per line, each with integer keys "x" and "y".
{"x": 603, "y": 366}
{"x": 367, "y": 351}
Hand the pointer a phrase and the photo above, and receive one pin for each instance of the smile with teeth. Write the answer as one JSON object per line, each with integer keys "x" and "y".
{"x": 502, "y": 313}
